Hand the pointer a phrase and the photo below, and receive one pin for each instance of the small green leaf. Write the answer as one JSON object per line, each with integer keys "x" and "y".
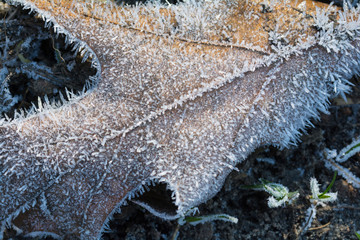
{"x": 20, "y": 55}
{"x": 356, "y": 146}
{"x": 58, "y": 56}
{"x": 357, "y": 235}
{"x": 329, "y": 187}
{"x": 208, "y": 218}
{"x": 192, "y": 219}
{"x": 23, "y": 59}
{"x": 323, "y": 196}
{"x": 292, "y": 194}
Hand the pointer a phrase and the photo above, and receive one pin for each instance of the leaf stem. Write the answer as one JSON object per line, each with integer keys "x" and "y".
{"x": 330, "y": 186}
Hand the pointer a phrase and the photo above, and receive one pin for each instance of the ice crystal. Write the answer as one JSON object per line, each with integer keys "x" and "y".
{"x": 185, "y": 92}
{"x": 317, "y": 198}
{"x": 333, "y": 160}
{"x": 316, "y": 194}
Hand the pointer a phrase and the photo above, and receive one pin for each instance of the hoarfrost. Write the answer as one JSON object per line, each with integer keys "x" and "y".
{"x": 181, "y": 98}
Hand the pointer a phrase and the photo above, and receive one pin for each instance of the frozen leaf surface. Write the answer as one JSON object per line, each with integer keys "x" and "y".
{"x": 184, "y": 92}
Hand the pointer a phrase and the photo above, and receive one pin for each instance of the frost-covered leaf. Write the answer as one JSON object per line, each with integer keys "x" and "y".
{"x": 333, "y": 160}
{"x": 185, "y": 92}
{"x": 318, "y": 196}
{"x": 279, "y": 194}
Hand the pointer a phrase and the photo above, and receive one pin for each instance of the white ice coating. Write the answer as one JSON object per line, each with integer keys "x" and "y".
{"x": 173, "y": 103}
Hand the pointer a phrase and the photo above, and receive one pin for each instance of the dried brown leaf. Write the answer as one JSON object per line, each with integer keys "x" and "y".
{"x": 184, "y": 93}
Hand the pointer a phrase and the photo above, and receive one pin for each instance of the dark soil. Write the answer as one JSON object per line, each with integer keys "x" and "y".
{"x": 29, "y": 49}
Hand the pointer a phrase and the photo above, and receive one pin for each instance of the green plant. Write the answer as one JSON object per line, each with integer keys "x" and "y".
{"x": 324, "y": 196}
{"x": 194, "y": 220}
{"x": 357, "y": 234}
{"x": 318, "y": 198}
{"x": 333, "y": 159}
{"x": 280, "y": 194}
